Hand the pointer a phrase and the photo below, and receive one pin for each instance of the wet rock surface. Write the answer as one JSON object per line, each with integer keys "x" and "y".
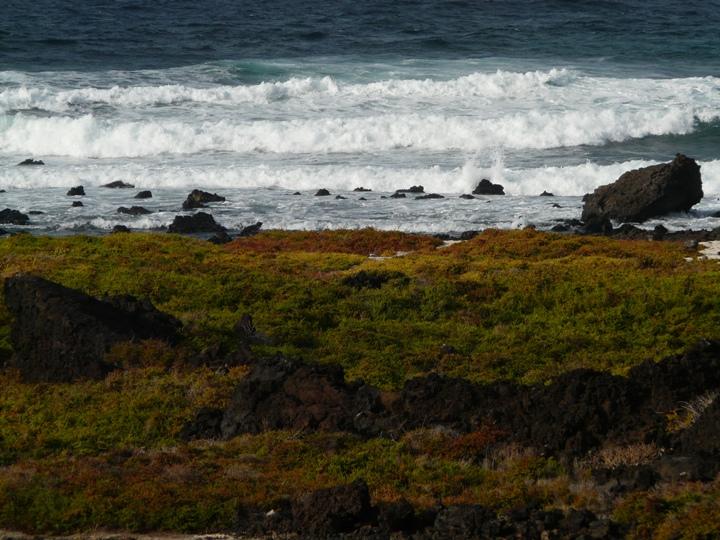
{"x": 134, "y": 211}
{"x": 61, "y": 334}
{"x": 143, "y": 195}
{"x": 118, "y": 184}
{"x": 643, "y": 193}
{"x": 77, "y": 191}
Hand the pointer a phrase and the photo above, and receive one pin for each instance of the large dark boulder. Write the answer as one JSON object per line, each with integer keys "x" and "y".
{"x": 60, "y": 334}
{"x": 198, "y": 199}
{"x": 77, "y": 191}
{"x": 486, "y": 187}
{"x": 286, "y": 394}
{"x": 333, "y": 511}
{"x": 196, "y": 223}
{"x": 644, "y": 193}
{"x": 14, "y": 217}
{"x": 143, "y": 195}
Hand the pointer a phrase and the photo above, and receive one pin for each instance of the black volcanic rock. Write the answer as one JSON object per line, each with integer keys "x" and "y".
{"x": 333, "y": 511}
{"x": 14, "y": 217}
{"x": 466, "y": 196}
{"x": 644, "y": 193}
{"x": 322, "y": 193}
{"x": 362, "y": 189}
{"x": 118, "y": 184}
{"x": 77, "y": 204}
{"x": 486, "y": 187}
{"x": 546, "y": 194}
{"x": 195, "y": 223}
{"x": 77, "y": 191}
{"x": 429, "y": 196}
{"x": 31, "y": 163}
{"x": 198, "y": 199}
{"x": 143, "y": 195}
{"x": 60, "y": 334}
{"x": 287, "y": 394}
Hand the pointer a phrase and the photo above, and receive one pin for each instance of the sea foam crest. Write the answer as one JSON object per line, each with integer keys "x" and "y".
{"x": 88, "y": 136}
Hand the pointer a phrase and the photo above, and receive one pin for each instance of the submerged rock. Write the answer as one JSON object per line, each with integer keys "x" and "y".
{"x": 430, "y": 196}
{"x": 198, "y": 199}
{"x": 31, "y": 162}
{"x": 411, "y": 189}
{"x": 77, "y": 191}
{"x": 195, "y": 223}
{"x": 466, "y": 196}
{"x": 14, "y": 217}
{"x": 61, "y": 334}
{"x": 644, "y": 193}
{"x": 118, "y": 184}
{"x": 486, "y": 187}
{"x": 134, "y": 211}
{"x": 143, "y": 195}
{"x": 77, "y": 204}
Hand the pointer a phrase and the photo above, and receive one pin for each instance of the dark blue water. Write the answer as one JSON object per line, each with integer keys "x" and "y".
{"x": 668, "y": 37}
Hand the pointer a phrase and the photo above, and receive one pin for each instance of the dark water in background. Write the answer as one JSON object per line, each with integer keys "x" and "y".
{"x": 666, "y": 37}
{"x": 270, "y": 97}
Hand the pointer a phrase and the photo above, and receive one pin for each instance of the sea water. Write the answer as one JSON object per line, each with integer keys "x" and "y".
{"x": 260, "y": 100}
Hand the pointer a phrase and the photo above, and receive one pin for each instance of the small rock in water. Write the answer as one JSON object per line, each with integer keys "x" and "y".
{"x": 322, "y": 193}
{"x": 362, "y": 199}
{"x": 398, "y": 196}
{"x": 77, "y": 191}
{"x": 13, "y": 217}
{"x": 198, "y": 199}
{"x": 31, "y": 162}
{"x": 486, "y": 187}
{"x": 361, "y": 189}
{"x": 77, "y": 204}
{"x": 3, "y": 191}
{"x": 118, "y": 184}
{"x": 340, "y": 197}
{"x": 143, "y": 195}
{"x": 430, "y": 196}
{"x": 556, "y": 205}
{"x": 251, "y": 230}
{"x": 546, "y": 194}
{"x": 134, "y": 211}
{"x": 35, "y": 213}
{"x": 466, "y": 196}
{"x": 297, "y": 193}
{"x": 120, "y": 229}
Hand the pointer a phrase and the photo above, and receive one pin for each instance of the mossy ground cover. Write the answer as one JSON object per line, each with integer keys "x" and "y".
{"x": 518, "y": 305}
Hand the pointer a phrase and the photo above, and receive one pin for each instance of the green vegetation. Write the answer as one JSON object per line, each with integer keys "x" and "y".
{"x": 519, "y": 305}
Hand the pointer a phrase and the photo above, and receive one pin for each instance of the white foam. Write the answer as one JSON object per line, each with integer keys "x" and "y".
{"x": 91, "y": 137}
{"x": 569, "y": 180}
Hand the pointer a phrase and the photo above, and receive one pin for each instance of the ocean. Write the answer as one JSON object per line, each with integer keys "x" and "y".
{"x": 259, "y": 100}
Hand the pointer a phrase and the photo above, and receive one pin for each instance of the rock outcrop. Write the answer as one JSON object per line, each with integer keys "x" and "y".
{"x": 644, "y": 193}
{"x": 486, "y": 187}
{"x": 199, "y": 199}
{"x": 77, "y": 191}
{"x": 61, "y": 334}
{"x": 14, "y": 217}
{"x": 195, "y": 223}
